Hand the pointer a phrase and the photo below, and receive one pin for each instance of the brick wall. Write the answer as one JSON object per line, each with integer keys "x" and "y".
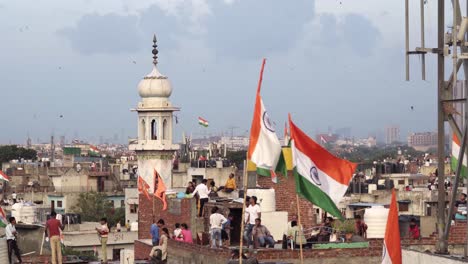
{"x": 184, "y": 253}
{"x": 146, "y": 213}
{"x": 285, "y": 191}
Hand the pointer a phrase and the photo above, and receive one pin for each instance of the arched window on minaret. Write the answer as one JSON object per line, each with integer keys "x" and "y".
{"x": 154, "y": 130}
{"x": 143, "y": 129}
{"x": 165, "y": 130}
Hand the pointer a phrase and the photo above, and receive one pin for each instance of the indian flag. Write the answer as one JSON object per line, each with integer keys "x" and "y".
{"x": 320, "y": 177}
{"x": 392, "y": 246}
{"x": 3, "y": 220}
{"x": 202, "y": 122}
{"x": 455, "y": 151}
{"x": 93, "y": 150}
{"x": 264, "y": 147}
{"x": 4, "y": 177}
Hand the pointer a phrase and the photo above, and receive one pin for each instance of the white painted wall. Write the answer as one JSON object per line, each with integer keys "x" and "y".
{"x": 415, "y": 257}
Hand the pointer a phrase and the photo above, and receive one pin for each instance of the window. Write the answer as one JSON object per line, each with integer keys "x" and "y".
{"x": 143, "y": 129}
{"x": 401, "y": 182}
{"x": 403, "y": 207}
{"x": 154, "y": 130}
{"x": 59, "y": 204}
{"x": 134, "y": 208}
{"x": 165, "y": 130}
{"x": 122, "y": 203}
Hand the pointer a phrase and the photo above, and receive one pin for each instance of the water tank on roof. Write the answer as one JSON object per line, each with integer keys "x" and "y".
{"x": 134, "y": 226}
{"x": 376, "y": 220}
{"x": 24, "y": 212}
{"x": 266, "y": 198}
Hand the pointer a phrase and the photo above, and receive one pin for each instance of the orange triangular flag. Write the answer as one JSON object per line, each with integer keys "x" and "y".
{"x": 392, "y": 244}
{"x": 160, "y": 189}
{"x": 143, "y": 187}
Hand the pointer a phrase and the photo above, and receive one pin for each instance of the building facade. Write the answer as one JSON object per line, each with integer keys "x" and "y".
{"x": 392, "y": 134}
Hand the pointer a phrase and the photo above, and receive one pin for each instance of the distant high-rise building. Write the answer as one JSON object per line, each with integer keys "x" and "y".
{"x": 392, "y": 134}
{"x": 423, "y": 140}
{"x": 344, "y": 132}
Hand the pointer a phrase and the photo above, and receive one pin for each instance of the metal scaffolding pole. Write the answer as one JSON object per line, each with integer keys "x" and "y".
{"x": 442, "y": 246}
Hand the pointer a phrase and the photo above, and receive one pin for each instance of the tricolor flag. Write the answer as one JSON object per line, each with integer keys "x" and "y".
{"x": 160, "y": 189}
{"x": 320, "y": 177}
{"x": 202, "y": 122}
{"x": 455, "y": 151}
{"x": 4, "y": 177}
{"x": 143, "y": 187}
{"x": 264, "y": 147}
{"x": 3, "y": 220}
{"x": 392, "y": 245}
{"x": 93, "y": 150}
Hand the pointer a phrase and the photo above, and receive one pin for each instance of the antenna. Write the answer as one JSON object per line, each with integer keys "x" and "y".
{"x": 450, "y": 42}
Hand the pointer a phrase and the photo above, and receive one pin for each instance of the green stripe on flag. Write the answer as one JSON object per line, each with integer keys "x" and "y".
{"x": 454, "y": 163}
{"x": 263, "y": 172}
{"x": 316, "y": 196}
{"x": 281, "y": 166}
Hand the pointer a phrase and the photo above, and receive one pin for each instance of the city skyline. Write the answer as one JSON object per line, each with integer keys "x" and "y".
{"x": 60, "y": 76}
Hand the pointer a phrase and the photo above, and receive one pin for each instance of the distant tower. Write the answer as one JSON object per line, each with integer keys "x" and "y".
{"x": 154, "y": 147}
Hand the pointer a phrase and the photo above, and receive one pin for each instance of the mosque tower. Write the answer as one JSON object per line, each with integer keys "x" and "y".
{"x": 154, "y": 146}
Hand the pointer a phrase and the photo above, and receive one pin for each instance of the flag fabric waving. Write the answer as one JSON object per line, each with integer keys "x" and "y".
{"x": 455, "y": 151}
{"x": 392, "y": 244}
{"x": 4, "y": 177}
{"x": 143, "y": 187}
{"x": 160, "y": 189}
{"x": 3, "y": 220}
{"x": 203, "y": 122}
{"x": 320, "y": 177}
{"x": 93, "y": 150}
{"x": 264, "y": 147}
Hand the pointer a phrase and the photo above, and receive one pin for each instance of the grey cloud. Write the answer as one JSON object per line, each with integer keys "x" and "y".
{"x": 112, "y": 33}
{"x": 104, "y": 34}
{"x": 254, "y": 28}
{"x": 360, "y": 34}
{"x": 167, "y": 27}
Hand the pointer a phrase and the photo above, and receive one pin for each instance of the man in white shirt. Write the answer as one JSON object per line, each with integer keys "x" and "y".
{"x": 216, "y": 222}
{"x": 203, "y": 193}
{"x": 10, "y": 232}
{"x": 13, "y": 196}
{"x": 254, "y": 213}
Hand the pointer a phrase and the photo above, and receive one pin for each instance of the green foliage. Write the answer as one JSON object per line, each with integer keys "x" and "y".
{"x": 364, "y": 154}
{"x": 92, "y": 206}
{"x": 237, "y": 157}
{"x": 345, "y": 226}
{"x": 10, "y": 152}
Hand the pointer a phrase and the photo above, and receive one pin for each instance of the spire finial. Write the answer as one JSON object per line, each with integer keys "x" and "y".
{"x": 155, "y": 51}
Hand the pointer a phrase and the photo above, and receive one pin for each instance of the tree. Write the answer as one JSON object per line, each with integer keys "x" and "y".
{"x": 11, "y": 152}
{"x": 237, "y": 157}
{"x": 92, "y": 206}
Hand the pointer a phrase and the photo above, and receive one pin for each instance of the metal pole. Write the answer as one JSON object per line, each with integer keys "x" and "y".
{"x": 442, "y": 243}
{"x": 300, "y": 228}
{"x": 244, "y": 181}
{"x": 407, "y": 39}
{"x": 423, "y": 56}
{"x": 455, "y": 184}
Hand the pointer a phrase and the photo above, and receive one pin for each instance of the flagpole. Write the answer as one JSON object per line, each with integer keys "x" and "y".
{"x": 300, "y": 229}
{"x": 244, "y": 183}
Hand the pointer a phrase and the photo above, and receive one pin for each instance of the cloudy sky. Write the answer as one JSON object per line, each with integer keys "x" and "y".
{"x": 329, "y": 63}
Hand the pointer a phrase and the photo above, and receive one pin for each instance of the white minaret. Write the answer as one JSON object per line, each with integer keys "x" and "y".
{"x": 154, "y": 147}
